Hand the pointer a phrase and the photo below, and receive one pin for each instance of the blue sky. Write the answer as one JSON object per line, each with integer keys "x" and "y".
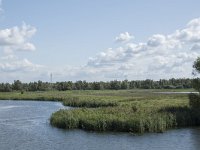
{"x": 98, "y": 40}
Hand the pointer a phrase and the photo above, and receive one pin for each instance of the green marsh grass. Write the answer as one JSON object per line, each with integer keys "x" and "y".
{"x": 135, "y": 111}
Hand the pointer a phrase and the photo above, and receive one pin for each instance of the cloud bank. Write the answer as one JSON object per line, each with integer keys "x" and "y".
{"x": 161, "y": 56}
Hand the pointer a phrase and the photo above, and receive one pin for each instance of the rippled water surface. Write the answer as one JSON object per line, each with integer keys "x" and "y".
{"x": 24, "y": 125}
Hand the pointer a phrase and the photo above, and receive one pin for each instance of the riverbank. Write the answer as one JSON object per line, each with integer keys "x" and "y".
{"x": 134, "y": 111}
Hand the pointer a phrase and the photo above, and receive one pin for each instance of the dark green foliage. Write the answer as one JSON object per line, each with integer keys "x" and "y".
{"x": 194, "y": 104}
{"x": 63, "y": 86}
{"x": 125, "y": 84}
{"x": 183, "y": 116}
{"x": 96, "y": 86}
{"x": 194, "y": 99}
{"x": 196, "y": 65}
{"x": 17, "y": 85}
{"x": 5, "y": 87}
{"x": 115, "y": 85}
{"x": 196, "y": 84}
{"x": 83, "y": 85}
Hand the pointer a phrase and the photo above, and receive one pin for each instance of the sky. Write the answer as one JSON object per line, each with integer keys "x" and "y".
{"x": 98, "y": 40}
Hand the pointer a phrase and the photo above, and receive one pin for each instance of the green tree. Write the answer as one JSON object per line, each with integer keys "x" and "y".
{"x": 115, "y": 85}
{"x": 196, "y": 65}
{"x": 195, "y": 98}
{"x": 96, "y": 86}
{"x": 124, "y": 84}
{"x": 17, "y": 85}
{"x": 196, "y": 82}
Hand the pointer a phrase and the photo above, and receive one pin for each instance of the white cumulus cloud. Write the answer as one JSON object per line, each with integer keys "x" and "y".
{"x": 161, "y": 56}
{"x": 124, "y": 37}
{"x": 168, "y": 55}
{"x": 17, "y": 38}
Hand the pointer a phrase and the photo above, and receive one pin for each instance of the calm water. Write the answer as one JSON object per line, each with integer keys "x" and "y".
{"x": 24, "y": 125}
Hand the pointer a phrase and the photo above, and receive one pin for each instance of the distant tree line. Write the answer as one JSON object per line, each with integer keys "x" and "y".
{"x": 17, "y": 85}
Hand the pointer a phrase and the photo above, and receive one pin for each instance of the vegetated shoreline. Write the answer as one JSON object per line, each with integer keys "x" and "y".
{"x": 135, "y": 111}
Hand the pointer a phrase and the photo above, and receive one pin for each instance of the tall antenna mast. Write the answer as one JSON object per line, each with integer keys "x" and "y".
{"x": 51, "y": 81}
{"x": 51, "y": 77}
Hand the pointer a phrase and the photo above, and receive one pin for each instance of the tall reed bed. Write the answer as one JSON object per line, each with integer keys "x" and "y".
{"x": 95, "y": 120}
{"x": 136, "y": 113}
